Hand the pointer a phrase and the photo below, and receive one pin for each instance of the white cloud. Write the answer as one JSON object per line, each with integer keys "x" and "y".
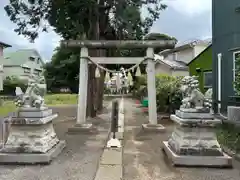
{"x": 190, "y": 7}
{"x": 44, "y": 44}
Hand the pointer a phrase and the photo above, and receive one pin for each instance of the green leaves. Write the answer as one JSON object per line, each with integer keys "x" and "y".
{"x": 158, "y": 36}
{"x": 167, "y": 88}
{"x": 72, "y": 18}
{"x": 237, "y": 76}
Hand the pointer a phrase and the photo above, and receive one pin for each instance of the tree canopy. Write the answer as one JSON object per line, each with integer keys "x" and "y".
{"x": 158, "y": 36}
{"x": 72, "y": 18}
{"x": 77, "y": 19}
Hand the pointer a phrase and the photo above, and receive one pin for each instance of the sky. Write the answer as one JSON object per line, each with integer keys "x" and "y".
{"x": 184, "y": 19}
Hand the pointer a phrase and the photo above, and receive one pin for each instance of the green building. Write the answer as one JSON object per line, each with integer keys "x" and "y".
{"x": 201, "y": 66}
{"x": 226, "y": 48}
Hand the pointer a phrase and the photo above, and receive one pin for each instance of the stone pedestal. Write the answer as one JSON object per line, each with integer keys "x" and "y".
{"x": 81, "y": 128}
{"x": 234, "y": 114}
{"x": 153, "y": 127}
{"x": 31, "y": 138}
{"x": 194, "y": 142}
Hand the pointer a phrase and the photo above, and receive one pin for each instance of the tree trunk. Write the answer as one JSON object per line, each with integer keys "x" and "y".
{"x": 92, "y": 34}
{"x": 101, "y": 91}
{"x": 91, "y": 110}
{"x": 95, "y": 86}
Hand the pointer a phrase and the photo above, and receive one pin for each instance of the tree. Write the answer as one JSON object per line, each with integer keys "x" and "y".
{"x": 92, "y": 19}
{"x": 63, "y": 69}
{"x": 158, "y": 36}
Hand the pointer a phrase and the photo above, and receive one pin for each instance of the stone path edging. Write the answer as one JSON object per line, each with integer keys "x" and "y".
{"x": 111, "y": 162}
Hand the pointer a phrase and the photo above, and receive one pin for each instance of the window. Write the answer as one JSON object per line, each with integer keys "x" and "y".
{"x": 207, "y": 78}
{"x": 175, "y": 56}
{"x": 31, "y": 58}
{"x": 26, "y": 70}
{"x": 38, "y": 60}
{"x": 236, "y": 55}
{"x": 37, "y": 72}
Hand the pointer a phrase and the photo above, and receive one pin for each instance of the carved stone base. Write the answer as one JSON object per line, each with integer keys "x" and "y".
{"x": 194, "y": 143}
{"x": 32, "y": 158}
{"x": 34, "y": 113}
{"x": 32, "y": 136}
{"x": 195, "y": 161}
{"x": 195, "y": 110}
{"x": 31, "y": 139}
{"x": 153, "y": 127}
{"x": 194, "y": 122}
{"x": 193, "y": 115}
{"x": 80, "y": 128}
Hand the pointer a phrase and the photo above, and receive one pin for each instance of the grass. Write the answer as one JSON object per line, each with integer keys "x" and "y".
{"x": 229, "y": 135}
{"x": 50, "y": 100}
{"x": 61, "y": 99}
{"x": 7, "y": 107}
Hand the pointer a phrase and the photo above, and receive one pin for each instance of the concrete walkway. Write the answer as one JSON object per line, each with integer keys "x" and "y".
{"x": 143, "y": 158}
{"x": 78, "y": 161}
{"x": 110, "y": 165}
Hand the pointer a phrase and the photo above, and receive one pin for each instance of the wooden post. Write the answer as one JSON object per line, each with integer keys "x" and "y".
{"x": 152, "y": 104}
{"x": 1, "y": 77}
{"x": 114, "y": 118}
{"x": 83, "y": 84}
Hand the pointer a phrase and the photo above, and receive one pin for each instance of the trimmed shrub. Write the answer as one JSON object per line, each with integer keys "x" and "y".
{"x": 168, "y": 92}
{"x": 140, "y": 87}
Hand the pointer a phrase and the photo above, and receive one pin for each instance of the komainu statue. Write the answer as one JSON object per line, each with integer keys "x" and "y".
{"x": 193, "y": 98}
{"x": 34, "y": 95}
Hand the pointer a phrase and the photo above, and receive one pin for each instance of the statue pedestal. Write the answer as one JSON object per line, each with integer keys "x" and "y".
{"x": 194, "y": 143}
{"x": 153, "y": 128}
{"x": 31, "y": 138}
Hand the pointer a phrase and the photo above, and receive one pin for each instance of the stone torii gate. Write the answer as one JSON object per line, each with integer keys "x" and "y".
{"x": 102, "y": 44}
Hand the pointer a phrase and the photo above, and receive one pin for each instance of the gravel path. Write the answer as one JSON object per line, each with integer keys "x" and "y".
{"x": 78, "y": 161}
{"x": 144, "y": 159}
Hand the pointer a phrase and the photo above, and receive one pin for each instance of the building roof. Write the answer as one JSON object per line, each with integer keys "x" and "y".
{"x": 200, "y": 54}
{"x": 18, "y": 58}
{"x": 4, "y": 44}
{"x": 178, "y": 65}
{"x": 183, "y": 46}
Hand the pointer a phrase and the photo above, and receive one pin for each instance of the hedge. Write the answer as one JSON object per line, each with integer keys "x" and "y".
{"x": 168, "y": 92}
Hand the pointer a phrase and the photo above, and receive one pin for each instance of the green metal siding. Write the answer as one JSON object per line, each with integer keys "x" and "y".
{"x": 226, "y": 36}
{"x": 204, "y": 62}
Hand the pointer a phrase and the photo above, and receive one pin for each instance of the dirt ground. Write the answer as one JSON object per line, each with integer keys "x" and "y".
{"x": 144, "y": 159}
{"x": 78, "y": 161}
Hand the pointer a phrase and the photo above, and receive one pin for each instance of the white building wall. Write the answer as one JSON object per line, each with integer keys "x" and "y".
{"x": 1, "y": 51}
{"x": 12, "y": 71}
{"x": 166, "y": 70}
{"x": 198, "y": 49}
{"x": 170, "y": 56}
{"x": 185, "y": 55}
{"x": 180, "y": 73}
{"x": 188, "y": 54}
{"x": 163, "y": 69}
